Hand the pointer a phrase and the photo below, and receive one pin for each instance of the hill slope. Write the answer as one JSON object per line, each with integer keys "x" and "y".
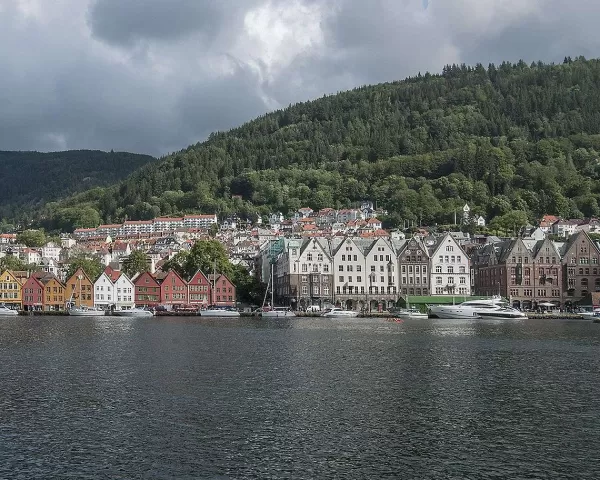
{"x": 503, "y": 138}
{"x": 30, "y": 179}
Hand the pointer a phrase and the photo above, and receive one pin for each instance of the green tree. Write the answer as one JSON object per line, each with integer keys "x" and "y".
{"x": 205, "y": 255}
{"x": 136, "y": 262}
{"x": 90, "y": 265}
{"x": 11, "y": 262}
{"x": 32, "y": 238}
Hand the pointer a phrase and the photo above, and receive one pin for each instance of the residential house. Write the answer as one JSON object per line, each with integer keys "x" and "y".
{"x": 413, "y": 260}
{"x": 546, "y": 223}
{"x": 104, "y": 291}
{"x": 580, "y": 261}
{"x": 33, "y": 293}
{"x": 123, "y": 292}
{"x": 173, "y": 290}
{"x": 350, "y": 273}
{"x": 564, "y": 228}
{"x": 381, "y": 267}
{"x": 224, "y": 291}
{"x": 11, "y": 289}
{"x": 30, "y": 256}
{"x": 79, "y": 289}
{"x": 199, "y": 290}
{"x": 450, "y": 270}
{"x": 54, "y": 291}
{"x": 147, "y": 290}
{"x": 51, "y": 251}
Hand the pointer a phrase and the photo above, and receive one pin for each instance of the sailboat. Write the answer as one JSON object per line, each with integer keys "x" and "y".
{"x": 273, "y": 311}
{"x": 81, "y": 310}
{"x": 217, "y": 310}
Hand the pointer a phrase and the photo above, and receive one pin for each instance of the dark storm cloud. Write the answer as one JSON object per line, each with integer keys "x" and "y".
{"x": 125, "y": 21}
{"x": 153, "y": 76}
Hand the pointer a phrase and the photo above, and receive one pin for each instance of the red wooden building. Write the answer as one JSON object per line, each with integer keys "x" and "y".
{"x": 223, "y": 292}
{"x": 173, "y": 289}
{"x": 147, "y": 290}
{"x": 33, "y": 294}
{"x": 199, "y": 289}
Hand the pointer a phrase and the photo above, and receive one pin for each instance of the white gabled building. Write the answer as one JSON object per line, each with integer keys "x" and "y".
{"x": 450, "y": 272}
{"x": 381, "y": 262}
{"x": 103, "y": 291}
{"x": 350, "y": 272}
{"x": 123, "y": 292}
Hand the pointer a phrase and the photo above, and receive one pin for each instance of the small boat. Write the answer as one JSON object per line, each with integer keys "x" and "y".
{"x": 277, "y": 312}
{"x": 83, "y": 311}
{"x": 133, "y": 312}
{"x": 337, "y": 312}
{"x": 218, "y": 311}
{"x": 591, "y": 314}
{"x": 5, "y": 311}
{"x": 410, "y": 313}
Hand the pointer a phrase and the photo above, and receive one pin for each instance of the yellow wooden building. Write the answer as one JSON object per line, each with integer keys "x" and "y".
{"x": 79, "y": 289}
{"x": 11, "y": 288}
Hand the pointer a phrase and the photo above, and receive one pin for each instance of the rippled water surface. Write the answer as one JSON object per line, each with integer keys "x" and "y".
{"x": 298, "y": 398}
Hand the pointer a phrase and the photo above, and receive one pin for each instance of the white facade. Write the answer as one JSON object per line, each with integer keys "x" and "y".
{"x": 381, "y": 266}
{"x": 104, "y": 291}
{"x": 124, "y": 292}
{"x": 450, "y": 268}
{"x": 30, "y": 256}
{"x": 350, "y": 275}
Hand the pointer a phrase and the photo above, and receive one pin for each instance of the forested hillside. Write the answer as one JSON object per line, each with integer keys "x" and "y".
{"x": 513, "y": 137}
{"x": 30, "y": 179}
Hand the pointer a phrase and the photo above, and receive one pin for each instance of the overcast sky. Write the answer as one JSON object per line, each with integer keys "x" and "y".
{"x": 153, "y": 76}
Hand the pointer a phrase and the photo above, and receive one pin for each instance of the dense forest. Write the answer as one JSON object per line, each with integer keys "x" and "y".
{"x": 28, "y": 180}
{"x": 507, "y": 138}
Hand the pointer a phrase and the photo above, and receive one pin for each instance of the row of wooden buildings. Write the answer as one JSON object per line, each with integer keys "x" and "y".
{"x": 114, "y": 289}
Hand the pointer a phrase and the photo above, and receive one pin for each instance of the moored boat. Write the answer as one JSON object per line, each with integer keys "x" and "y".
{"x": 83, "y": 311}
{"x": 133, "y": 312}
{"x": 494, "y": 307}
{"x": 218, "y": 311}
{"x": 337, "y": 312}
{"x": 278, "y": 312}
{"x": 410, "y": 313}
{"x": 5, "y": 311}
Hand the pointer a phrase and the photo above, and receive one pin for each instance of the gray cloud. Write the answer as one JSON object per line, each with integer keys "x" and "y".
{"x": 154, "y": 76}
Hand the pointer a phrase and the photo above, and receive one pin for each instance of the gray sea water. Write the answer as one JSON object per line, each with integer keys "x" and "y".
{"x": 298, "y": 398}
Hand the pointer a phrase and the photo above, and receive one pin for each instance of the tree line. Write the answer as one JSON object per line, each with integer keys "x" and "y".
{"x": 506, "y": 138}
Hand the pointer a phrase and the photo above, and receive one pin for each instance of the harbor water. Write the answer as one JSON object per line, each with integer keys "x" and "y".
{"x": 193, "y": 397}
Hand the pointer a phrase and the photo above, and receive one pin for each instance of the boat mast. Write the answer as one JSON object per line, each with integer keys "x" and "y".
{"x": 272, "y": 293}
{"x": 212, "y": 293}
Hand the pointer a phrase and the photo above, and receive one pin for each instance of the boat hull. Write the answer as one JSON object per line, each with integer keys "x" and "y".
{"x": 133, "y": 313}
{"x": 503, "y": 315}
{"x": 278, "y": 314}
{"x": 341, "y": 314}
{"x": 452, "y": 312}
{"x": 7, "y": 312}
{"x": 219, "y": 313}
{"x": 85, "y": 313}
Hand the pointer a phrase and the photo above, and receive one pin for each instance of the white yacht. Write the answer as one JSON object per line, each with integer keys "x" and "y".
{"x": 4, "y": 311}
{"x": 133, "y": 312}
{"x": 494, "y": 307}
{"x": 83, "y": 311}
{"x": 277, "y": 312}
{"x": 337, "y": 312}
{"x": 595, "y": 313}
{"x": 217, "y": 311}
{"x": 410, "y": 313}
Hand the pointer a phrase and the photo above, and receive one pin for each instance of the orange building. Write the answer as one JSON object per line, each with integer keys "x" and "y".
{"x": 54, "y": 291}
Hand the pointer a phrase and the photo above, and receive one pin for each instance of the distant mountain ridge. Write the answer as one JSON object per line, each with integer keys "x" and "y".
{"x": 28, "y": 180}
{"x": 520, "y": 137}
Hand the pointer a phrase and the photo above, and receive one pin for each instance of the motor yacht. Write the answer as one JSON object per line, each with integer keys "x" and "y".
{"x": 494, "y": 307}
{"x": 337, "y": 312}
{"x": 410, "y": 313}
